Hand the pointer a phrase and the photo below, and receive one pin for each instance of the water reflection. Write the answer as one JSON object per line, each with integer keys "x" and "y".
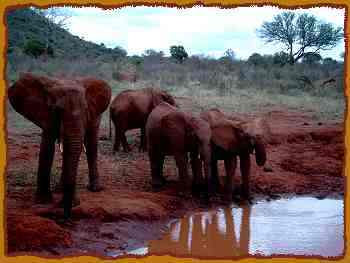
{"x": 299, "y": 226}
{"x": 208, "y": 234}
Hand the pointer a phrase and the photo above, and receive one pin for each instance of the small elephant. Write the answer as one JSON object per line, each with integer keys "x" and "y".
{"x": 170, "y": 131}
{"x": 69, "y": 109}
{"x": 130, "y": 109}
{"x": 229, "y": 140}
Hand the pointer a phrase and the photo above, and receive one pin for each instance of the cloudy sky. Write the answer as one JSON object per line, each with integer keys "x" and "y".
{"x": 201, "y": 30}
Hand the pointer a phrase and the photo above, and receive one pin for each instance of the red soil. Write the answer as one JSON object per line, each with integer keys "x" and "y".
{"x": 305, "y": 158}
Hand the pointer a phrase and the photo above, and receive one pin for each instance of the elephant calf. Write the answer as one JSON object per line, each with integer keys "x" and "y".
{"x": 130, "y": 109}
{"x": 66, "y": 109}
{"x": 229, "y": 141}
{"x": 172, "y": 132}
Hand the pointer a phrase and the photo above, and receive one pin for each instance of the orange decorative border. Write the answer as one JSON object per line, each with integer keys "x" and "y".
{"x": 6, "y": 5}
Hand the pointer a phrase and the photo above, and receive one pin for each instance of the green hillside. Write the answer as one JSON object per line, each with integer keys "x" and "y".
{"x": 25, "y": 25}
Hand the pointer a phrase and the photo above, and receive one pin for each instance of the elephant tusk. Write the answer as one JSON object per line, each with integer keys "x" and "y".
{"x": 61, "y": 148}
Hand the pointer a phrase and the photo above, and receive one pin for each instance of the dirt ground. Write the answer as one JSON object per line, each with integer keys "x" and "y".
{"x": 305, "y": 157}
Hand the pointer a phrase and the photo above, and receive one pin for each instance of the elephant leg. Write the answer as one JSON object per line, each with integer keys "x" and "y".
{"x": 125, "y": 144}
{"x": 157, "y": 162}
{"x": 245, "y": 172}
{"x": 181, "y": 163}
{"x": 215, "y": 183}
{"x": 143, "y": 145}
{"x": 46, "y": 155}
{"x": 91, "y": 143}
{"x": 116, "y": 140}
{"x": 230, "y": 167}
{"x": 196, "y": 166}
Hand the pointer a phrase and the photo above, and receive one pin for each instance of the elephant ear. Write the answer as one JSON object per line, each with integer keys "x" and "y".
{"x": 200, "y": 128}
{"x": 156, "y": 97}
{"x": 224, "y": 135}
{"x": 30, "y": 96}
{"x": 174, "y": 126}
{"x": 165, "y": 96}
{"x": 159, "y": 96}
{"x": 98, "y": 95}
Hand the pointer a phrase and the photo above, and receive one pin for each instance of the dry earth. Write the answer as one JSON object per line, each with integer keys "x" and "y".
{"x": 305, "y": 157}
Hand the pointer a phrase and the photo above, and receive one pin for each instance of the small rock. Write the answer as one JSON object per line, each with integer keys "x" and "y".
{"x": 268, "y": 168}
{"x": 321, "y": 196}
{"x": 319, "y": 123}
{"x": 305, "y": 123}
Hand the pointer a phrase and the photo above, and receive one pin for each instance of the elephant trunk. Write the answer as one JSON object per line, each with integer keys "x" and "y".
{"x": 72, "y": 148}
{"x": 260, "y": 151}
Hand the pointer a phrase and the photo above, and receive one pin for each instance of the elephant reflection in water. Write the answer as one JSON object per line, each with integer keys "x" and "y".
{"x": 210, "y": 235}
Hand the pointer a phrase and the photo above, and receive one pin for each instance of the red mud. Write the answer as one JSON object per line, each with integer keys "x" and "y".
{"x": 305, "y": 157}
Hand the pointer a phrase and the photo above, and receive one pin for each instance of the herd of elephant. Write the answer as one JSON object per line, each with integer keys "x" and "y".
{"x": 70, "y": 110}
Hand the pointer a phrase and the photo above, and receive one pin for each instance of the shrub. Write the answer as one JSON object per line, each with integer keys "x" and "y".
{"x": 34, "y": 48}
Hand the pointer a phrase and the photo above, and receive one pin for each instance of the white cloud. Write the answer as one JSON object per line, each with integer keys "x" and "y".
{"x": 199, "y": 29}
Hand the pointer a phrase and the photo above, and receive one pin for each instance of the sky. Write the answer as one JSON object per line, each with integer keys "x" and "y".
{"x": 201, "y": 30}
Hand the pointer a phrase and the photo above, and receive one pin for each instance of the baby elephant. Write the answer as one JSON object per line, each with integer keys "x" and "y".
{"x": 170, "y": 131}
{"x": 231, "y": 140}
{"x": 130, "y": 109}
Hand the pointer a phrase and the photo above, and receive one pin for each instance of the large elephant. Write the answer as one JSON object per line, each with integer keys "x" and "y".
{"x": 130, "y": 109}
{"x": 70, "y": 109}
{"x": 170, "y": 131}
{"x": 232, "y": 139}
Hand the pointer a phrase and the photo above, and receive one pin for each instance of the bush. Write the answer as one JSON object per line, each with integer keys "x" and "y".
{"x": 34, "y": 48}
{"x": 256, "y": 59}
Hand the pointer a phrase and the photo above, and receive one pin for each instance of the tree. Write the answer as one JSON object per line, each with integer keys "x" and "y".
{"x": 119, "y": 52}
{"x": 153, "y": 53}
{"x": 178, "y": 53}
{"x": 300, "y": 34}
{"x": 280, "y": 58}
{"x": 256, "y": 59}
{"x": 312, "y": 58}
{"x": 34, "y": 48}
{"x": 54, "y": 17}
{"x": 230, "y": 54}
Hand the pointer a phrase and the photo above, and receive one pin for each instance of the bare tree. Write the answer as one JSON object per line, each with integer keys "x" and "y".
{"x": 55, "y": 17}
{"x": 58, "y": 16}
{"x": 300, "y": 35}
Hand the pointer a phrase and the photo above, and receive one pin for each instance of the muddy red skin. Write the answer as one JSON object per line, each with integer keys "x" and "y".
{"x": 229, "y": 141}
{"x": 172, "y": 132}
{"x": 68, "y": 108}
{"x": 130, "y": 109}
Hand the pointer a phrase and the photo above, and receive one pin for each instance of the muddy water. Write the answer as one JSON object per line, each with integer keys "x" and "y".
{"x": 299, "y": 226}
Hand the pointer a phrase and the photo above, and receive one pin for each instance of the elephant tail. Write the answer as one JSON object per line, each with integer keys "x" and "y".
{"x": 110, "y": 125}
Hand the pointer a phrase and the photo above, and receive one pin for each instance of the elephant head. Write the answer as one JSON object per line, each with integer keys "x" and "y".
{"x": 236, "y": 139}
{"x": 66, "y": 108}
{"x": 159, "y": 96}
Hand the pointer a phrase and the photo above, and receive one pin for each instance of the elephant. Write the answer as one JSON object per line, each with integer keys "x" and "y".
{"x": 172, "y": 132}
{"x": 232, "y": 139}
{"x": 130, "y": 109}
{"x": 66, "y": 109}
